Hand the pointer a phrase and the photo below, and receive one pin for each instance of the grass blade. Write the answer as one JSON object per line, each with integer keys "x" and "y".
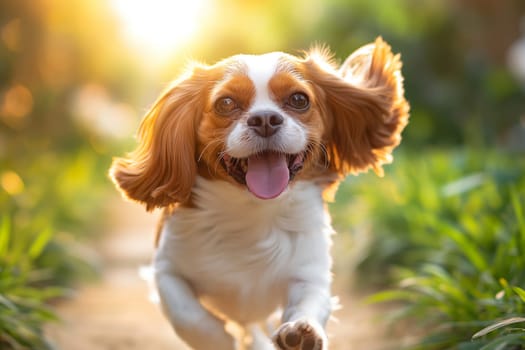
{"x": 466, "y": 246}
{"x": 518, "y": 210}
{"x": 40, "y": 242}
{"x": 498, "y": 325}
{"x": 520, "y": 292}
{"x": 5, "y": 230}
{"x": 501, "y": 343}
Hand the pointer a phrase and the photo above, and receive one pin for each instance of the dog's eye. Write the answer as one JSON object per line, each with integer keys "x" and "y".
{"x": 299, "y": 101}
{"x": 226, "y": 105}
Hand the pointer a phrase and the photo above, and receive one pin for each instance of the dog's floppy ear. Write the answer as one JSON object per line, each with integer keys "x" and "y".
{"x": 363, "y": 105}
{"x": 162, "y": 169}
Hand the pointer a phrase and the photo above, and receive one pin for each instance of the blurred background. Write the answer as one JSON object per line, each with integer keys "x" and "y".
{"x": 442, "y": 235}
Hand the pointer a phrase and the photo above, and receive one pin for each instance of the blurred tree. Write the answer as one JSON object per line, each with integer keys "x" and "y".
{"x": 454, "y": 56}
{"x": 48, "y": 49}
{"x": 53, "y": 126}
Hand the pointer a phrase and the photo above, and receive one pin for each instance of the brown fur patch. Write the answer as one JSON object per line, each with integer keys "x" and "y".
{"x": 363, "y": 117}
{"x": 162, "y": 170}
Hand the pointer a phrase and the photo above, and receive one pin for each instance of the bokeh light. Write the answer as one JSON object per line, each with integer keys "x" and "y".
{"x": 15, "y": 105}
{"x": 158, "y": 27}
{"x": 11, "y": 182}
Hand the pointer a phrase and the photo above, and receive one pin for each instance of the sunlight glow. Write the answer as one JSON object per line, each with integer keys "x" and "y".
{"x": 160, "y": 26}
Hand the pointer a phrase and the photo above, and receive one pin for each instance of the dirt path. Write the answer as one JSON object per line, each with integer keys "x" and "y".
{"x": 115, "y": 314}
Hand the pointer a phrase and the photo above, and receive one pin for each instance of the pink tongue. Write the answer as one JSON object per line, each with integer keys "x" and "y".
{"x": 267, "y": 175}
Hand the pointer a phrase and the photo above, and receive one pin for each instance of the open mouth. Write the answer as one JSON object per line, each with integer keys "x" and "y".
{"x": 266, "y": 174}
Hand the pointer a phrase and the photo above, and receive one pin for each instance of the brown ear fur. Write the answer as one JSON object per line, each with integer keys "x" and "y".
{"x": 365, "y": 109}
{"x": 162, "y": 170}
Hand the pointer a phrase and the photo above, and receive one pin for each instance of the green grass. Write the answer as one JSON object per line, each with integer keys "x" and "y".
{"x": 24, "y": 289}
{"x": 45, "y": 213}
{"x": 449, "y": 231}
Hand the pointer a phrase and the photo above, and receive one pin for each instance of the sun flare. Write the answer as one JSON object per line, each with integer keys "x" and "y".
{"x": 159, "y": 26}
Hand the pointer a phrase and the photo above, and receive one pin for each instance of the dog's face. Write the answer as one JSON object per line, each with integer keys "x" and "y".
{"x": 263, "y": 122}
{"x": 262, "y": 125}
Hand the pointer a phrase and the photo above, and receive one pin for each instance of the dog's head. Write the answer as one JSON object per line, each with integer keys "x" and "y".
{"x": 263, "y": 121}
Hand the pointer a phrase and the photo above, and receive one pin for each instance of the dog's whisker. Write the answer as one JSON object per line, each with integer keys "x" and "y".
{"x": 211, "y": 144}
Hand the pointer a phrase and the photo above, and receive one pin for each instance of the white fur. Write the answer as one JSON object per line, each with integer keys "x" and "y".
{"x": 228, "y": 258}
{"x": 242, "y": 141}
{"x": 232, "y": 257}
{"x": 260, "y": 69}
{"x": 235, "y": 257}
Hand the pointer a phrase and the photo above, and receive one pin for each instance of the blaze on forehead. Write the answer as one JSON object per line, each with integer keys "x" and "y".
{"x": 262, "y": 65}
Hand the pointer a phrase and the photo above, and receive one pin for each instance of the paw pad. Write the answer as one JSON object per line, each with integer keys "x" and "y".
{"x": 298, "y": 335}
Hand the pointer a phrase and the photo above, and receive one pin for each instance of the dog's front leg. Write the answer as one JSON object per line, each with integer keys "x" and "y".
{"x": 194, "y": 324}
{"x": 304, "y": 318}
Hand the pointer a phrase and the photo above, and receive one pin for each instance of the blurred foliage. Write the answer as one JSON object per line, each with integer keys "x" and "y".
{"x": 72, "y": 90}
{"x": 449, "y": 234}
{"x": 54, "y": 154}
{"x": 458, "y": 93}
{"x": 421, "y": 193}
{"x": 24, "y": 288}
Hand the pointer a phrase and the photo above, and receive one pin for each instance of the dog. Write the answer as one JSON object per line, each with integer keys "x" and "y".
{"x": 242, "y": 157}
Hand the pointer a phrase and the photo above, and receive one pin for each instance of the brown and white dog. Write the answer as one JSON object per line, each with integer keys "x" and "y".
{"x": 242, "y": 155}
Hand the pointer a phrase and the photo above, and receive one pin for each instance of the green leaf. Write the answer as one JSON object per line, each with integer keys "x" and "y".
{"x": 466, "y": 245}
{"x": 501, "y": 342}
{"x": 7, "y": 303}
{"x": 389, "y": 295}
{"x": 40, "y": 242}
{"x": 498, "y": 325}
{"x": 520, "y": 292}
{"x": 518, "y": 210}
{"x": 5, "y": 230}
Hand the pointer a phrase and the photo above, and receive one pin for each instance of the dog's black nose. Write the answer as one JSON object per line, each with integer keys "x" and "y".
{"x": 265, "y": 123}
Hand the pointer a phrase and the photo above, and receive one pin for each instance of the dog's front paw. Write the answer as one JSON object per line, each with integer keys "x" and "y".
{"x": 300, "y": 335}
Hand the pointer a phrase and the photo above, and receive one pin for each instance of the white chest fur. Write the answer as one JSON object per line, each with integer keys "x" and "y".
{"x": 239, "y": 253}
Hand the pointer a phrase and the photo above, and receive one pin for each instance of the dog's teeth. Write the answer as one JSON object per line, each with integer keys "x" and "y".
{"x": 289, "y": 159}
{"x": 244, "y": 165}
